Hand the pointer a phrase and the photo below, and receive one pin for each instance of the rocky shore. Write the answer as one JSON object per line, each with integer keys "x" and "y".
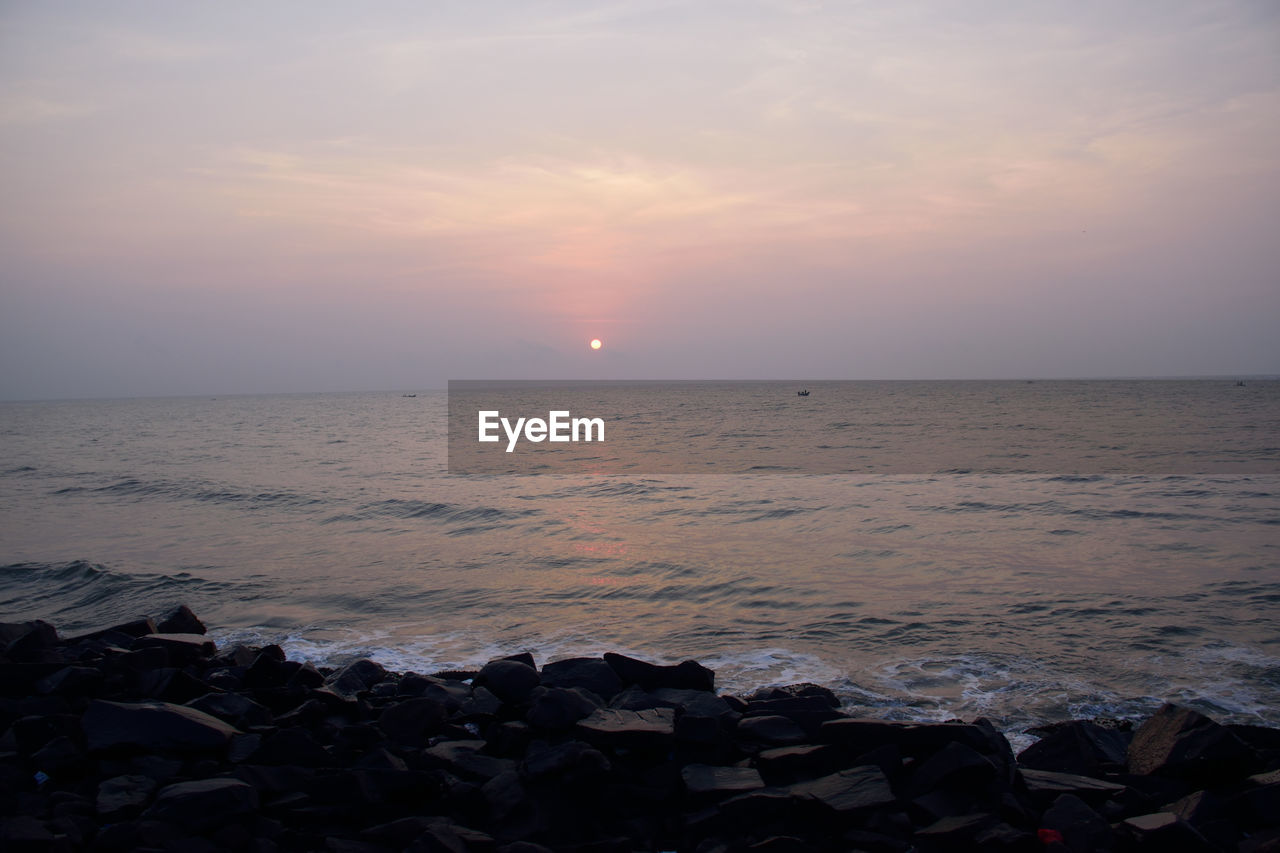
{"x": 145, "y": 736}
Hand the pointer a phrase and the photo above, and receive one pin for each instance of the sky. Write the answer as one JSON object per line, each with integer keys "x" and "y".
{"x": 233, "y": 197}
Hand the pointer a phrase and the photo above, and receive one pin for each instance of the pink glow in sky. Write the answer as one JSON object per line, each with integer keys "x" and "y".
{"x": 218, "y": 198}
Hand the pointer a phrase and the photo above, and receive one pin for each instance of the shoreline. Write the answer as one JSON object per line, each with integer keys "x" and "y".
{"x": 147, "y": 735}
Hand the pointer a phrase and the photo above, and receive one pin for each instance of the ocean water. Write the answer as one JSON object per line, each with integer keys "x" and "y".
{"x": 329, "y": 523}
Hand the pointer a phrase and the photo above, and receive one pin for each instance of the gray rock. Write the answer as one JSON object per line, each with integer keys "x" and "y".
{"x": 706, "y": 780}
{"x": 1182, "y": 743}
{"x": 854, "y": 790}
{"x": 628, "y": 729}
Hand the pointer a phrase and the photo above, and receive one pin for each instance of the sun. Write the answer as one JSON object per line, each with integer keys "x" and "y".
{"x": 596, "y": 343}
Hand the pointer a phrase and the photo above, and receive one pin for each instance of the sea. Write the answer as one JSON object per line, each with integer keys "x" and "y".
{"x": 332, "y": 525}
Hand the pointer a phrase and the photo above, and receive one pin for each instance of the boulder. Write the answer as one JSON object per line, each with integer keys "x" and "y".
{"x": 356, "y": 677}
{"x": 771, "y": 729}
{"x": 558, "y": 707}
{"x": 203, "y": 803}
{"x": 1181, "y": 743}
{"x": 1081, "y": 747}
{"x": 849, "y": 791}
{"x": 240, "y": 711}
{"x": 412, "y": 721}
{"x": 180, "y": 620}
{"x": 571, "y": 761}
{"x": 709, "y": 782}
{"x": 587, "y": 673}
{"x": 509, "y": 680}
{"x": 182, "y": 649}
{"x": 616, "y": 728}
{"x": 152, "y": 727}
{"x": 124, "y": 797}
{"x": 688, "y": 675}
{"x": 1081, "y": 829}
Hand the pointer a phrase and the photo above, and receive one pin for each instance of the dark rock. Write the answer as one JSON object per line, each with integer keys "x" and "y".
{"x": 504, "y": 794}
{"x": 955, "y": 766}
{"x": 240, "y": 711}
{"x": 956, "y": 833}
{"x": 559, "y": 707}
{"x": 464, "y": 759}
{"x": 307, "y": 676}
{"x": 292, "y": 747}
{"x": 571, "y": 761}
{"x": 786, "y": 764}
{"x": 509, "y": 680}
{"x": 152, "y": 726}
{"x": 854, "y": 790}
{"x": 1046, "y": 786}
{"x": 355, "y": 677}
{"x": 773, "y": 730}
{"x": 60, "y": 755}
{"x": 1082, "y": 829}
{"x": 628, "y": 729}
{"x": 181, "y": 648}
{"x": 912, "y": 739}
{"x": 1165, "y": 831}
{"x": 1182, "y": 743}
{"x": 72, "y": 681}
{"x": 710, "y": 782}
{"x": 25, "y": 833}
{"x": 688, "y": 675}
{"x": 180, "y": 620}
{"x": 124, "y": 797}
{"x": 588, "y": 673}
{"x": 412, "y": 721}
{"x": 204, "y": 803}
{"x": 36, "y": 645}
{"x": 1081, "y": 747}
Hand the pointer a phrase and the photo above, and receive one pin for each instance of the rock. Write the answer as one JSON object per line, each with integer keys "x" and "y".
{"x": 773, "y": 730}
{"x": 181, "y": 648}
{"x": 464, "y": 759}
{"x": 124, "y": 797}
{"x": 912, "y": 739}
{"x": 956, "y": 833}
{"x": 503, "y": 793}
{"x": 240, "y": 711}
{"x": 1184, "y": 744}
{"x": 588, "y": 673}
{"x": 1081, "y": 828}
{"x": 152, "y": 727}
{"x": 60, "y": 755}
{"x": 1046, "y": 786}
{"x": 1081, "y": 747}
{"x": 688, "y": 675}
{"x": 955, "y": 766}
{"x": 559, "y": 708}
{"x": 71, "y": 681}
{"x": 709, "y": 782}
{"x": 628, "y": 729}
{"x": 509, "y": 680}
{"x": 37, "y": 644}
{"x": 572, "y": 761}
{"x": 412, "y": 721}
{"x": 204, "y": 803}
{"x": 356, "y": 677}
{"x": 854, "y": 790}
{"x": 294, "y": 747}
{"x": 785, "y": 764}
{"x": 180, "y": 620}
{"x": 1165, "y": 831}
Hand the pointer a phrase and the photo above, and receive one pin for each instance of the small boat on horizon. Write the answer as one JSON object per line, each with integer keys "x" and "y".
{"x": 804, "y": 393}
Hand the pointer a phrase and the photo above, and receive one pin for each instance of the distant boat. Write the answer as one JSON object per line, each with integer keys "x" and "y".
{"x": 408, "y": 395}
{"x": 1239, "y": 383}
{"x": 804, "y": 393}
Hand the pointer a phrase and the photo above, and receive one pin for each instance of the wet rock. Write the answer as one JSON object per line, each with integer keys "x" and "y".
{"x": 204, "y": 803}
{"x": 1182, "y": 743}
{"x": 180, "y": 620}
{"x": 509, "y": 680}
{"x": 688, "y": 675}
{"x": 587, "y": 673}
{"x": 152, "y": 727}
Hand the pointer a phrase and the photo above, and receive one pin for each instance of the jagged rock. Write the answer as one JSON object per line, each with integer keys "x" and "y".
{"x": 180, "y": 620}
{"x": 628, "y": 729}
{"x": 708, "y": 781}
{"x": 1182, "y": 743}
{"x": 1082, "y": 829}
{"x": 153, "y": 727}
{"x": 204, "y": 803}
{"x": 588, "y": 673}
{"x": 240, "y": 711}
{"x": 1081, "y": 747}
{"x": 412, "y": 721}
{"x": 687, "y": 675}
{"x": 355, "y": 677}
{"x": 955, "y": 766}
{"x": 509, "y": 680}
{"x": 124, "y": 797}
{"x": 182, "y": 649}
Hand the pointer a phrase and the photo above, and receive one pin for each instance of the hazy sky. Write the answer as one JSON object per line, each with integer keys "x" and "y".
{"x": 255, "y": 197}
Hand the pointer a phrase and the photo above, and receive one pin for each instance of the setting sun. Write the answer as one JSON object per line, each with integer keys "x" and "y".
{"x": 596, "y": 343}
